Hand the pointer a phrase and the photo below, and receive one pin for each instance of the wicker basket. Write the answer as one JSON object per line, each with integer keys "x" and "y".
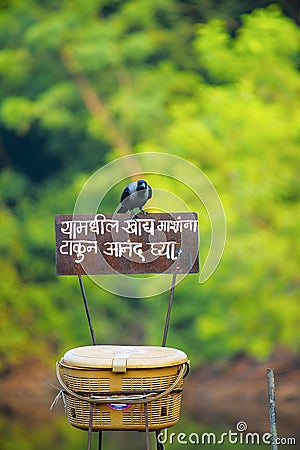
{"x": 112, "y": 384}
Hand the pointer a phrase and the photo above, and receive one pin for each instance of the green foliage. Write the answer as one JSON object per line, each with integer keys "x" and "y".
{"x": 84, "y": 82}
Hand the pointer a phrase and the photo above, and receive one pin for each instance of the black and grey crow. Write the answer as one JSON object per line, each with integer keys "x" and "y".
{"x": 135, "y": 195}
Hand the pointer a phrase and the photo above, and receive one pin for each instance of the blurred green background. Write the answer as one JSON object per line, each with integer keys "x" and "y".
{"x": 217, "y": 83}
{"x": 85, "y": 82}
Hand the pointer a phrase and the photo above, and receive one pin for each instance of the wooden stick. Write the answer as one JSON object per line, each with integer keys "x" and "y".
{"x": 272, "y": 408}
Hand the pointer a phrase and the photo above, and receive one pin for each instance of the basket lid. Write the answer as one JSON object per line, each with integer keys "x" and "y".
{"x": 119, "y": 357}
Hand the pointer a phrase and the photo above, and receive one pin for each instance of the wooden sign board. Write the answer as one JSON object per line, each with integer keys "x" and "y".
{"x": 111, "y": 244}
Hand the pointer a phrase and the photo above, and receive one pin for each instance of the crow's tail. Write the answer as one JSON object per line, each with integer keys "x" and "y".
{"x": 122, "y": 209}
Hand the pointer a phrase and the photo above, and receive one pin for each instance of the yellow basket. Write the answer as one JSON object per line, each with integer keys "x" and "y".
{"x": 110, "y": 385}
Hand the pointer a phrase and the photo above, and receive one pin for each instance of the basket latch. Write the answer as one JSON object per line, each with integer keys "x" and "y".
{"x": 119, "y": 364}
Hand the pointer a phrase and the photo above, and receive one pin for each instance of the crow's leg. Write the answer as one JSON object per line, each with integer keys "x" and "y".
{"x": 133, "y": 216}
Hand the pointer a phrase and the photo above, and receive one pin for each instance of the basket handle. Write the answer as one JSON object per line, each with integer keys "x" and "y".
{"x": 130, "y": 399}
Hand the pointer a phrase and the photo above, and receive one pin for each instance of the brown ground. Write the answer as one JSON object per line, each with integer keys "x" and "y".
{"x": 237, "y": 390}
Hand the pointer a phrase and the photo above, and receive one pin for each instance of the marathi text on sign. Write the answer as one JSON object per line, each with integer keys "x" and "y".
{"x": 156, "y": 243}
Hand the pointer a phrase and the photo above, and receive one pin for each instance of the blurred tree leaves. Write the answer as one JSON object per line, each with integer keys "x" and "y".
{"x": 84, "y": 82}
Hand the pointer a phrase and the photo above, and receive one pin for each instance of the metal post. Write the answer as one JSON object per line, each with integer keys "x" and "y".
{"x": 169, "y": 310}
{"x": 147, "y": 426}
{"x": 159, "y": 445}
{"x": 90, "y": 427}
{"x": 272, "y": 408}
{"x": 86, "y": 306}
{"x": 100, "y": 440}
{"x": 87, "y": 309}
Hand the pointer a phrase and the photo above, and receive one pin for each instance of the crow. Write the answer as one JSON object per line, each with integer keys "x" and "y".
{"x": 135, "y": 195}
